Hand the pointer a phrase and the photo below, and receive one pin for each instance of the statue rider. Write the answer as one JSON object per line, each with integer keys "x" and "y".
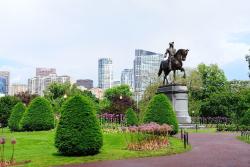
{"x": 170, "y": 52}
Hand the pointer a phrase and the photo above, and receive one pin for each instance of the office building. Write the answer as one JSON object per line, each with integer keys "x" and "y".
{"x": 127, "y": 78}
{"x": 4, "y": 82}
{"x": 146, "y": 66}
{"x": 105, "y": 73}
{"x": 18, "y": 88}
{"x": 37, "y": 85}
{"x": 87, "y": 83}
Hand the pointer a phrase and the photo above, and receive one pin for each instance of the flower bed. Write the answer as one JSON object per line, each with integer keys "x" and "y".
{"x": 150, "y": 136}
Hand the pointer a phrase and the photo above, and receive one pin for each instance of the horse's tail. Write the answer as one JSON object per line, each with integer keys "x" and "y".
{"x": 160, "y": 70}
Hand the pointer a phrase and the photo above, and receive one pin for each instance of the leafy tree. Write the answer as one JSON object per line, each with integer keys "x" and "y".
{"x": 16, "y": 116}
{"x": 213, "y": 80}
{"x": 131, "y": 118}
{"x": 160, "y": 110}
{"x": 78, "y": 131}
{"x": 147, "y": 96}
{"x": 118, "y": 91}
{"x": 6, "y": 105}
{"x": 38, "y": 116}
{"x": 119, "y": 98}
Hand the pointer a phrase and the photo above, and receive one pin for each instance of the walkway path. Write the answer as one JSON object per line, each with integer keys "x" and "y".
{"x": 209, "y": 150}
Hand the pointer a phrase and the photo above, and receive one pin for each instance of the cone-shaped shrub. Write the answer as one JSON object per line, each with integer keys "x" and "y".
{"x": 78, "y": 131}
{"x": 131, "y": 118}
{"x": 245, "y": 120}
{"x": 38, "y": 116}
{"x": 16, "y": 116}
{"x": 160, "y": 111}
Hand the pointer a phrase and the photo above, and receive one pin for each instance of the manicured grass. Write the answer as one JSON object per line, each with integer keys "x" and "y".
{"x": 39, "y": 148}
{"x": 241, "y": 138}
{"x": 202, "y": 130}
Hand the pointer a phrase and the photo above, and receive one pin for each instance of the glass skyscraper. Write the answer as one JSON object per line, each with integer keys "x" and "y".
{"x": 4, "y": 82}
{"x": 127, "y": 77}
{"x": 105, "y": 73}
{"x": 146, "y": 66}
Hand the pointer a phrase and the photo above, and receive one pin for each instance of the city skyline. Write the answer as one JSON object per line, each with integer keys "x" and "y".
{"x": 72, "y": 37}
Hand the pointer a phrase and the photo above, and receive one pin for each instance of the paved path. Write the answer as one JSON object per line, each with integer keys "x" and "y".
{"x": 209, "y": 150}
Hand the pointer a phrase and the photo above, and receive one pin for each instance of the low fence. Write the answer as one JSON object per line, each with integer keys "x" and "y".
{"x": 245, "y": 135}
{"x": 185, "y": 138}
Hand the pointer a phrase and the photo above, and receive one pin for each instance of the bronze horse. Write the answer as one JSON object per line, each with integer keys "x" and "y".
{"x": 176, "y": 64}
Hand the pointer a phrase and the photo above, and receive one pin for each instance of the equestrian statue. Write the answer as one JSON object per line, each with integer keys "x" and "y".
{"x": 173, "y": 62}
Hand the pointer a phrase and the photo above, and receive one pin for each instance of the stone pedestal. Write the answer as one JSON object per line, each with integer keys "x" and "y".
{"x": 178, "y": 94}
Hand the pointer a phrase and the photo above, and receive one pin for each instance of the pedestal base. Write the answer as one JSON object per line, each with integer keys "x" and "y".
{"x": 178, "y": 94}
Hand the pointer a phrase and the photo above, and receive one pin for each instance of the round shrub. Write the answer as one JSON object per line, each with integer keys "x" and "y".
{"x": 245, "y": 120}
{"x": 16, "y": 116}
{"x": 6, "y": 105}
{"x": 78, "y": 131}
{"x": 38, "y": 116}
{"x": 160, "y": 111}
{"x": 131, "y": 118}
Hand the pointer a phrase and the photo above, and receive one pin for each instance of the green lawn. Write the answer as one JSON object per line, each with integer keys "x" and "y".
{"x": 39, "y": 148}
{"x": 243, "y": 139}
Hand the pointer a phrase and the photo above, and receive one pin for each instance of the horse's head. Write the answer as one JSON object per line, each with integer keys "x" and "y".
{"x": 184, "y": 54}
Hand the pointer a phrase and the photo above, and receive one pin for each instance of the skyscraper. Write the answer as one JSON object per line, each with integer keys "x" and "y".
{"x": 146, "y": 66}
{"x": 4, "y": 82}
{"x": 127, "y": 77}
{"x": 105, "y": 73}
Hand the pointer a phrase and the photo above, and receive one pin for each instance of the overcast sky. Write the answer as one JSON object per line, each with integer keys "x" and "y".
{"x": 70, "y": 35}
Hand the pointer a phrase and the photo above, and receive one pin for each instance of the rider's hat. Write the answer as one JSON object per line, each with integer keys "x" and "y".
{"x": 171, "y": 43}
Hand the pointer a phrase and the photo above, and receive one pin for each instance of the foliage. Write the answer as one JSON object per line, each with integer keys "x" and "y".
{"x": 119, "y": 100}
{"x": 25, "y": 97}
{"x": 16, "y": 116}
{"x": 38, "y": 116}
{"x": 147, "y": 96}
{"x": 160, "y": 110}
{"x": 232, "y": 127}
{"x": 245, "y": 120}
{"x": 213, "y": 80}
{"x": 6, "y": 105}
{"x": 117, "y": 91}
{"x": 131, "y": 117}
{"x": 78, "y": 132}
{"x": 57, "y": 93}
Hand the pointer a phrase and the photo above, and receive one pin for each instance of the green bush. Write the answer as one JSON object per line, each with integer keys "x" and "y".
{"x": 160, "y": 110}
{"x": 245, "y": 120}
{"x": 16, "y": 116}
{"x": 6, "y": 105}
{"x": 232, "y": 128}
{"x": 131, "y": 118}
{"x": 38, "y": 116}
{"x": 78, "y": 131}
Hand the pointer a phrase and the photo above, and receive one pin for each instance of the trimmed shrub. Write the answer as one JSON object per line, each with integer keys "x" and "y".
{"x": 16, "y": 116}
{"x": 245, "y": 120}
{"x": 6, "y": 105}
{"x": 160, "y": 111}
{"x": 131, "y": 118}
{"x": 78, "y": 131}
{"x": 38, "y": 116}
